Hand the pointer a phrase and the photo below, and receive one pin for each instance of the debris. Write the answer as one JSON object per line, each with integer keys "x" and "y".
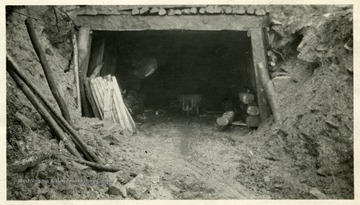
{"x": 117, "y": 189}
{"x": 318, "y": 194}
{"x": 138, "y": 186}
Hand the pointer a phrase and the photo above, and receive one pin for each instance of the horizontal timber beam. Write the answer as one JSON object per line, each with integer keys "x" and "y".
{"x": 201, "y": 22}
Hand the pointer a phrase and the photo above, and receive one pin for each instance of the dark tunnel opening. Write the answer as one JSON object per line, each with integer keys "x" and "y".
{"x": 214, "y": 64}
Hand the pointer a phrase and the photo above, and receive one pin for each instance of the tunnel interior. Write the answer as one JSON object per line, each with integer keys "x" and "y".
{"x": 214, "y": 64}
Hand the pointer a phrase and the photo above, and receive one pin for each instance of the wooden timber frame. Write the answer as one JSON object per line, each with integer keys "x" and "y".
{"x": 254, "y": 25}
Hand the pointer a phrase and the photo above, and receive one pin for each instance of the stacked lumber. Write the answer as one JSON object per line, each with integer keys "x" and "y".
{"x": 109, "y": 101}
{"x": 249, "y": 108}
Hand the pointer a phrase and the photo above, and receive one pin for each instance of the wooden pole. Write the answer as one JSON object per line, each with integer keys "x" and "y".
{"x": 44, "y": 113}
{"x": 76, "y": 139}
{"x": 76, "y": 72}
{"x": 47, "y": 70}
{"x": 84, "y": 45}
{"x": 269, "y": 90}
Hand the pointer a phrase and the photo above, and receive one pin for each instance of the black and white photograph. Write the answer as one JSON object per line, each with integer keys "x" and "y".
{"x": 179, "y": 101}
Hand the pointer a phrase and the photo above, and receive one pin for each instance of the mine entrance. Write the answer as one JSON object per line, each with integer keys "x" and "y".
{"x": 214, "y": 64}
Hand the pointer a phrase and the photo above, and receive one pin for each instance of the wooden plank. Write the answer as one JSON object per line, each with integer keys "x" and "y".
{"x": 96, "y": 98}
{"x": 120, "y": 112}
{"x": 91, "y": 99}
{"x": 97, "y": 55}
{"x": 76, "y": 72}
{"x": 132, "y": 126}
{"x": 107, "y": 104}
{"x": 258, "y": 51}
{"x": 184, "y": 22}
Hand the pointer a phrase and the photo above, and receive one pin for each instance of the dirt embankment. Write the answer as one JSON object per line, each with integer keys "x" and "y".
{"x": 308, "y": 154}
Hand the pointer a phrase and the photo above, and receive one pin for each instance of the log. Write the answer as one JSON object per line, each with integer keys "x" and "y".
{"x": 269, "y": 90}
{"x": 253, "y": 110}
{"x": 239, "y": 10}
{"x": 217, "y": 10}
{"x": 43, "y": 112}
{"x": 162, "y": 12}
{"x": 186, "y": 11}
{"x": 76, "y": 72}
{"x": 193, "y": 10}
{"x": 260, "y": 12}
{"x": 226, "y": 118}
{"x": 228, "y": 10}
{"x": 246, "y": 98}
{"x": 253, "y": 121}
{"x": 47, "y": 70}
{"x": 171, "y": 12}
{"x": 144, "y": 10}
{"x": 209, "y": 9}
{"x": 76, "y": 139}
{"x": 202, "y": 10}
{"x": 250, "y": 10}
{"x": 154, "y": 10}
{"x": 177, "y": 12}
{"x": 135, "y": 11}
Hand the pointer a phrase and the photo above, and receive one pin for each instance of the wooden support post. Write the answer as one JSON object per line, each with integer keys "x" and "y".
{"x": 76, "y": 72}
{"x": 269, "y": 90}
{"x": 47, "y": 70}
{"x": 258, "y": 51}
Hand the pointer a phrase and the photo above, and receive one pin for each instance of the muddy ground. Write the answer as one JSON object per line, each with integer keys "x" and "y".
{"x": 307, "y": 155}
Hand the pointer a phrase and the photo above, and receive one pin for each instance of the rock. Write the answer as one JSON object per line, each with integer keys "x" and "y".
{"x": 281, "y": 83}
{"x": 26, "y": 121}
{"x": 117, "y": 189}
{"x": 324, "y": 171}
{"x": 267, "y": 179}
{"x": 318, "y": 194}
{"x": 138, "y": 186}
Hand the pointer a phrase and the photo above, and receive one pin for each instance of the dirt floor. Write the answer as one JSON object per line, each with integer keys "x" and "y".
{"x": 307, "y": 155}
